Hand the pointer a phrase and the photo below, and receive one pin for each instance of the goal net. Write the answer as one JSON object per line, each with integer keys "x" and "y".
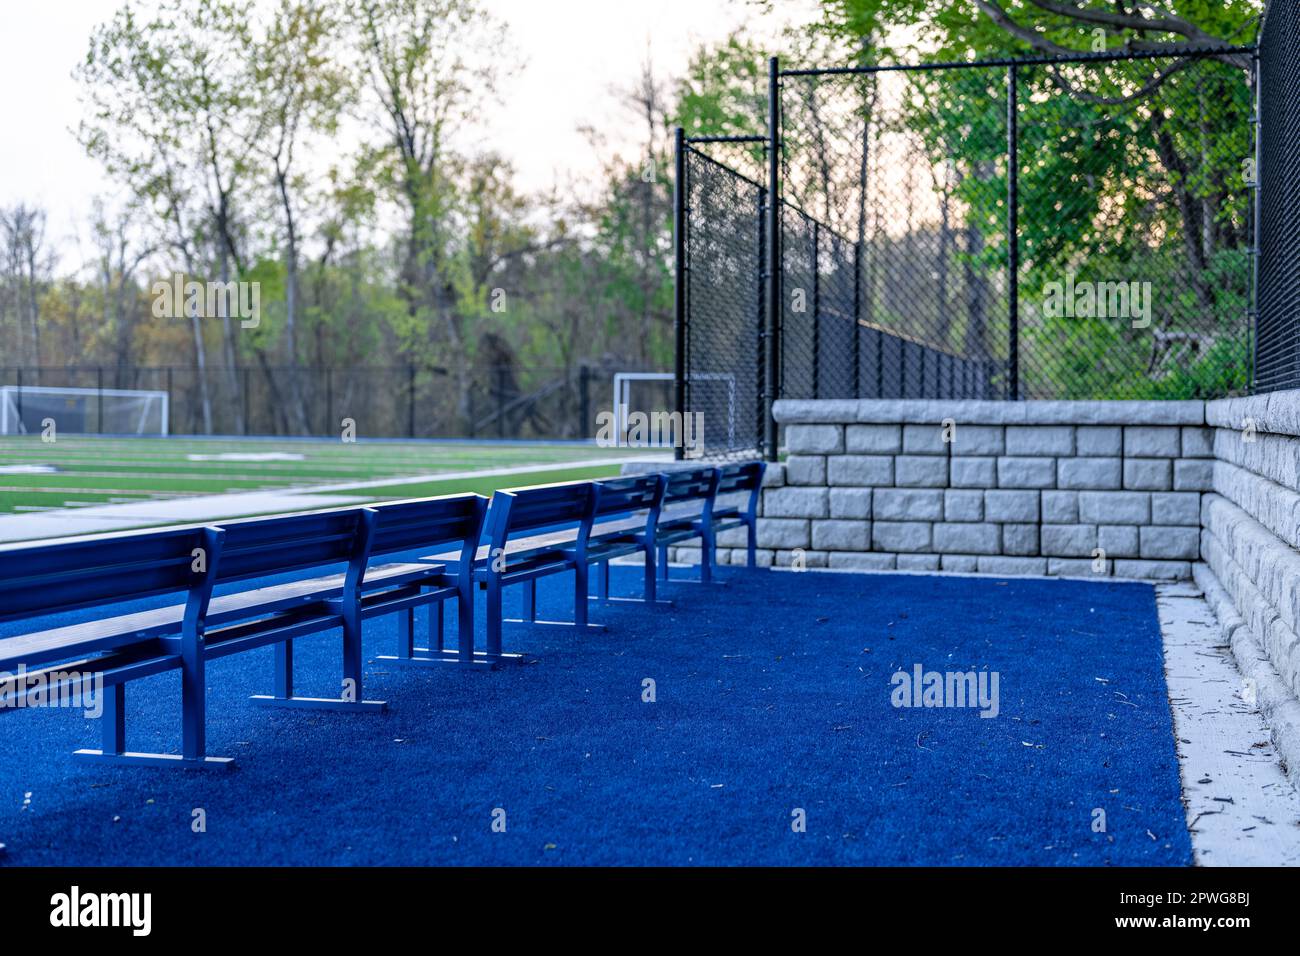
{"x": 28, "y": 410}
{"x": 714, "y": 402}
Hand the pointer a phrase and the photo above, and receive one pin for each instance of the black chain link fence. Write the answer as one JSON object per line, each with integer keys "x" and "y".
{"x": 1134, "y": 239}
{"x": 1075, "y": 228}
{"x": 723, "y": 244}
{"x": 1277, "y": 358}
{"x": 402, "y": 401}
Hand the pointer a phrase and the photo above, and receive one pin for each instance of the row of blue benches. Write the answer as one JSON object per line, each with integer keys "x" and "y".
{"x": 521, "y": 535}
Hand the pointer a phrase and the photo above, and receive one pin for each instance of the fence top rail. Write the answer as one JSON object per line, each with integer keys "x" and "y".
{"x": 1106, "y": 57}
{"x": 727, "y": 139}
{"x": 797, "y": 210}
{"x": 724, "y": 167}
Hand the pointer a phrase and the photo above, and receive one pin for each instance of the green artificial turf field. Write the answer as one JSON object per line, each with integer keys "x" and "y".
{"x": 80, "y": 471}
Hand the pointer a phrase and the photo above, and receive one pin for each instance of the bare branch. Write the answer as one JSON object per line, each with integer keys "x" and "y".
{"x": 1035, "y": 39}
{"x": 1197, "y": 38}
{"x": 1124, "y": 21}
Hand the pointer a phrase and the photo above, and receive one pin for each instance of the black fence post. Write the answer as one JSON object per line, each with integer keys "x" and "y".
{"x": 772, "y": 319}
{"x": 1013, "y": 235}
{"x": 679, "y": 283}
{"x": 501, "y": 401}
{"x": 1252, "y": 302}
{"x": 329, "y": 401}
{"x": 816, "y": 311}
{"x": 410, "y": 400}
{"x": 760, "y": 356}
{"x": 857, "y": 311}
{"x": 584, "y": 401}
{"x": 99, "y": 397}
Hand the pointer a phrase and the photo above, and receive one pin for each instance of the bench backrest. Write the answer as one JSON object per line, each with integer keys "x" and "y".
{"x": 286, "y": 543}
{"x": 107, "y": 569}
{"x": 429, "y": 523}
{"x": 743, "y": 476}
{"x": 543, "y": 506}
{"x": 625, "y": 495}
{"x": 694, "y": 484}
{"x": 740, "y": 476}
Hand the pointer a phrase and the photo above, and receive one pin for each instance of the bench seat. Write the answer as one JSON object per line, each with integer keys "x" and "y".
{"x": 123, "y": 630}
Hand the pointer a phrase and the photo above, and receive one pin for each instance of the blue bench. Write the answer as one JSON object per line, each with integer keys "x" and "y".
{"x": 48, "y": 579}
{"x": 367, "y": 590}
{"x": 692, "y": 509}
{"x": 624, "y": 518}
{"x": 279, "y": 613}
{"x": 687, "y": 514}
{"x": 742, "y": 480}
{"x": 433, "y": 522}
{"x": 559, "y": 519}
{"x": 526, "y": 534}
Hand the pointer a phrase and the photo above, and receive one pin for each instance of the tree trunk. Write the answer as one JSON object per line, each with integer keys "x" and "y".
{"x": 297, "y": 408}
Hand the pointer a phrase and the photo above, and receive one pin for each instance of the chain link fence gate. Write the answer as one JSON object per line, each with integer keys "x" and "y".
{"x": 721, "y": 215}
{"x": 1067, "y": 228}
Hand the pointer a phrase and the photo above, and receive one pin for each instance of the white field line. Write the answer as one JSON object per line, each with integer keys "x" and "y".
{"x": 69, "y": 523}
{"x": 476, "y": 473}
{"x": 67, "y": 489}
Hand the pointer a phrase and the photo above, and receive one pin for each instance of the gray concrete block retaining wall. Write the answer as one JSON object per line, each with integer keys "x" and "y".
{"x": 1074, "y": 488}
{"x": 1250, "y": 546}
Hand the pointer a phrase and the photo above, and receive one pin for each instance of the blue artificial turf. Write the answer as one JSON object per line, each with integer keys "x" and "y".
{"x": 772, "y": 694}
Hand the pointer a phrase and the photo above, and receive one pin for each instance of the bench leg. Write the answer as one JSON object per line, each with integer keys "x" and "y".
{"x": 437, "y": 654}
{"x": 352, "y": 666}
{"x": 650, "y": 597}
{"x": 493, "y": 618}
{"x": 114, "y": 748}
{"x": 662, "y": 564}
{"x": 114, "y": 718}
{"x": 406, "y": 634}
{"x": 580, "y": 621}
{"x": 708, "y": 551}
{"x": 284, "y": 669}
{"x": 530, "y": 600}
{"x": 580, "y": 593}
{"x": 751, "y": 551}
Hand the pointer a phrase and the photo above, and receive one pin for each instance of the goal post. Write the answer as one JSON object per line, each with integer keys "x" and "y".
{"x": 631, "y": 389}
{"x": 26, "y": 410}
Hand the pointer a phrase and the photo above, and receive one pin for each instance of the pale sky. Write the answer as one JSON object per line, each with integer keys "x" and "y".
{"x": 573, "y": 53}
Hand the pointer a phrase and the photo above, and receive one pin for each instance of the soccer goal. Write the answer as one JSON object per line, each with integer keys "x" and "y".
{"x": 26, "y": 410}
{"x": 648, "y": 391}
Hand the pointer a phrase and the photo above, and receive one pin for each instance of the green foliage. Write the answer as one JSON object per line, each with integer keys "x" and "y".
{"x": 1130, "y": 170}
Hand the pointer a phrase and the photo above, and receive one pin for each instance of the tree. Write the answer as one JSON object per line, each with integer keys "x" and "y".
{"x": 1125, "y": 165}
{"x": 169, "y": 114}
{"x": 120, "y": 252}
{"x": 298, "y": 89}
{"x": 27, "y": 263}
{"x": 429, "y": 64}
